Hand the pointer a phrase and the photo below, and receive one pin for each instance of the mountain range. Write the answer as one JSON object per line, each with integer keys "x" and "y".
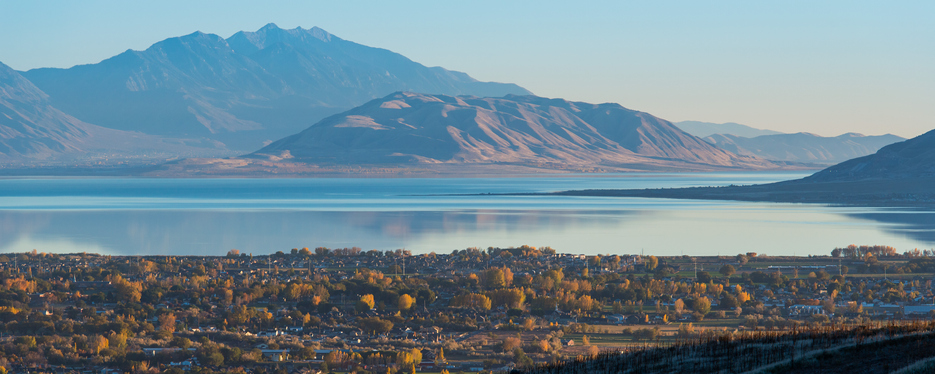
{"x": 804, "y": 147}
{"x": 801, "y": 147}
{"x": 333, "y": 102}
{"x": 706, "y": 129}
{"x": 251, "y": 88}
{"x": 414, "y": 128}
{"x": 913, "y": 159}
{"x": 33, "y": 131}
{"x": 900, "y": 174}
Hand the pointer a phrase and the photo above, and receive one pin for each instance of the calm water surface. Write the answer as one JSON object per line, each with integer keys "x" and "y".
{"x": 212, "y": 216}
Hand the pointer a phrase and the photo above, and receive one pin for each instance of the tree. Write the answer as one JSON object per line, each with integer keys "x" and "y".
{"x": 679, "y": 306}
{"x": 167, "y": 322}
{"x": 512, "y": 297}
{"x": 335, "y": 358}
{"x": 405, "y": 302}
{"x": 440, "y": 359}
{"x": 727, "y": 270}
{"x": 403, "y": 358}
{"x": 126, "y": 290}
{"x": 117, "y": 341}
{"x": 471, "y": 300}
{"x": 510, "y": 343}
{"x": 686, "y": 331}
{"x": 544, "y": 346}
{"x": 416, "y": 356}
{"x": 375, "y": 325}
{"x": 729, "y": 301}
{"x": 651, "y": 263}
{"x": 646, "y": 334}
{"x": 98, "y": 343}
{"x": 521, "y": 359}
{"x": 213, "y": 358}
{"x": 584, "y": 303}
{"x": 498, "y": 277}
{"x": 702, "y": 305}
{"x": 366, "y": 303}
{"x": 593, "y": 351}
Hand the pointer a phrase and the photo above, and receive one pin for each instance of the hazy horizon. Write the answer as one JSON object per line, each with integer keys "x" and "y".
{"x": 827, "y": 68}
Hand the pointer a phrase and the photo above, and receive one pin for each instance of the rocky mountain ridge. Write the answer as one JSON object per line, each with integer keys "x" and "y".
{"x": 412, "y": 128}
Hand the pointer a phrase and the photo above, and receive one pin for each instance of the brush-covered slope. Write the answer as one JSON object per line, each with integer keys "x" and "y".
{"x": 249, "y": 88}
{"x": 804, "y": 147}
{"x": 31, "y": 129}
{"x": 419, "y": 128}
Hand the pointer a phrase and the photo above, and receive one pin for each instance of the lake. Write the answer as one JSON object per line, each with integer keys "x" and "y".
{"x": 140, "y": 216}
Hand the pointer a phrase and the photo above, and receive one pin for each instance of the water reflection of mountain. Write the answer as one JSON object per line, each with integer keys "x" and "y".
{"x": 215, "y": 232}
{"x": 917, "y": 225}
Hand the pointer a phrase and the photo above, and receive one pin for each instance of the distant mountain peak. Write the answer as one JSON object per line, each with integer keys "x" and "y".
{"x": 803, "y": 146}
{"x": 269, "y": 26}
{"x": 193, "y": 39}
{"x": 319, "y": 33}
{"x": 262, "y": 84}
{"x": 250, "y": 42}
{"x": 706, "y": 129}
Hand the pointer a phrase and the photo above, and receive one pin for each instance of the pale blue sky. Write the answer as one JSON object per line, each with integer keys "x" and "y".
{"x": 824, "y": 67}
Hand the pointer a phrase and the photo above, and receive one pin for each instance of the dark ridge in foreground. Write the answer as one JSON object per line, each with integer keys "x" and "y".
{"x": 914, "y": 192}
{"x": 900, "y": 174}
{"x": 850, "y": 349}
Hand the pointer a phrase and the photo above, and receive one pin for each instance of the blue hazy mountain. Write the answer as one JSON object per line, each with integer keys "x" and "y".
{"x": 32, "y": 131}
{"x": 804, "y": 147}
{"x": 413, "y": 128}
{"x": 250, "y": 88}
{"x": 910, "y": 160}
{"x": 899, "y": 174}
{"x": 706, "y": 129}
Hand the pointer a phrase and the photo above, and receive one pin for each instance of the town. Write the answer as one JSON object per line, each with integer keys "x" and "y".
{"x": 472, "y": 310}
